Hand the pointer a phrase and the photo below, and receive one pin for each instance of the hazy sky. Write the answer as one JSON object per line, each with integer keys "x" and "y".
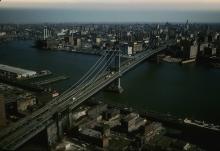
{"x": 109, "y": 10}
{"x": 112, "y": 4}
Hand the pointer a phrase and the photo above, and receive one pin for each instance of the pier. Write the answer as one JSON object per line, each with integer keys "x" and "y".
{"x": 51, "y": 80}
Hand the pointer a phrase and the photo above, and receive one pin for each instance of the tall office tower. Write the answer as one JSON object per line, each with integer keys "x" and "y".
{"x": 45, "y": 33}
{"x": 187, "y": 25}
{"x": 2, "y": 112}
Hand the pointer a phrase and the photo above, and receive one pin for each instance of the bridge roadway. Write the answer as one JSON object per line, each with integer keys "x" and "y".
{"x": 16, "y": 135}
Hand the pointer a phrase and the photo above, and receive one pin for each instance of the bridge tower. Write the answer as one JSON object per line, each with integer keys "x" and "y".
{"x": 119, "y": 87}
{"x": 114, "y": 68}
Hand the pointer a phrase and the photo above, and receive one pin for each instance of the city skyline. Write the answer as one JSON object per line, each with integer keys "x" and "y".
{"x": 109, "y": 75}
{"x": 96, "y": 86}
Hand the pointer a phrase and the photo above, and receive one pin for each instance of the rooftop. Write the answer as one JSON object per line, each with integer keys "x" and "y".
{"x": 15, "y": 69}
{"x": 131, "y": 116}
{"x": 91, "y": 133}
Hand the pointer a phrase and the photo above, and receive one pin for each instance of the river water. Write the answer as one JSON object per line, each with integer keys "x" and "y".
{"x": 186, "y": 91}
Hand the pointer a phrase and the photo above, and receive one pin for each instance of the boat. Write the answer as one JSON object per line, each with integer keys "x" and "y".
{"x": 202, "y": 124}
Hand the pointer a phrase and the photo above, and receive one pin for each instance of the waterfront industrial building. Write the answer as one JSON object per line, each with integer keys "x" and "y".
{"x": 11, "y": 72}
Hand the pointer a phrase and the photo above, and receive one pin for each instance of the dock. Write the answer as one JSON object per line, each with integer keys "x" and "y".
{"x": 51, "y": 80}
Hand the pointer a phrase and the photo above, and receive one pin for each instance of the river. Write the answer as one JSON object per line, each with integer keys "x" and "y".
{"x": 185, "y": 91}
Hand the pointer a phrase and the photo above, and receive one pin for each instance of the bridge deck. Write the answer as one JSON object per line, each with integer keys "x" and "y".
{"x": 16, "y": 135}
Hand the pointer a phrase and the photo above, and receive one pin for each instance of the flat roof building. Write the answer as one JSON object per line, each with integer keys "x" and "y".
{"x": 10, "y": 72}
{"x": 91, "y": 133}
{"x": 95, "y": 137}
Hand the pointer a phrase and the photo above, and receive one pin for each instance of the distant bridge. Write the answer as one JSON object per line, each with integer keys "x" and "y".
{"x": 56, "y": 115}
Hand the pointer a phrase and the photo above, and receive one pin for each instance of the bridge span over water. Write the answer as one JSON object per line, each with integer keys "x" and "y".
{"x": 56, "y": 115}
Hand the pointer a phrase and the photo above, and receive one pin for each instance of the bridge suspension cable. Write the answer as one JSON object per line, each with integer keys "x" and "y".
{"x": 83, "y": 82}
{"x": 87, "y": 73}
{"x": 100, "y": 71}
{"x": 89, "y": 78}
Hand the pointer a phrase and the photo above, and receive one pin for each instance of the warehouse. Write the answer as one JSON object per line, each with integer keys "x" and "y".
{"x": 10, "y": 72}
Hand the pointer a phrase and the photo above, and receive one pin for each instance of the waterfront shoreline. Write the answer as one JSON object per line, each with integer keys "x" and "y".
{"x": 148, "y": 80}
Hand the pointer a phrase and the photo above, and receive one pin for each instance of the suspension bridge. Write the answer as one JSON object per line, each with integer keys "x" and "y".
{"x": 99, "y": 76}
